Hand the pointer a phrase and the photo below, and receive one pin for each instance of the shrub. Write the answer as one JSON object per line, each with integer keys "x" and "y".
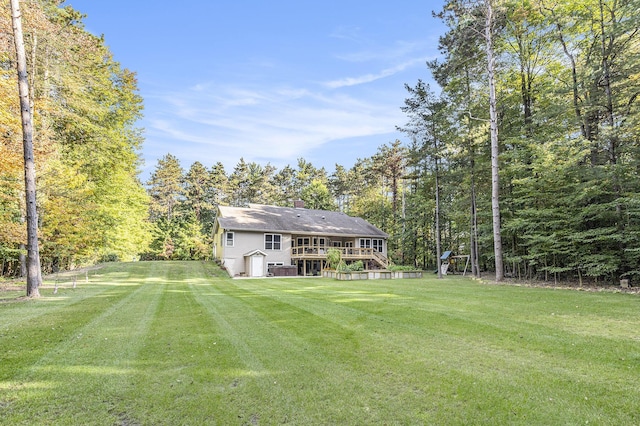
{"x": 352, "y": 267}
{"x": 111, "y": 257}
{"x": 399, "y": 268}
{"x": 334, "y": 257}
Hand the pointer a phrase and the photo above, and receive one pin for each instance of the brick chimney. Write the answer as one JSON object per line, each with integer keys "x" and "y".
{"x": 298, "y": 204}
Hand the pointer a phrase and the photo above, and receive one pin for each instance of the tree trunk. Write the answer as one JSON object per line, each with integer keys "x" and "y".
{"x": 493, "y": 115}
{"x": 606, "y": 83}
{"x": 22, "y": 257}
{"x": 526, "y": 92}
{"x": 438, "y": 238}
{"x": 475, "y": 263}
{"x": 22, "y": 260}
{"x": 606, "y": 43}
{"x": 34, "y": 278}
{"x": 584, "y": 127}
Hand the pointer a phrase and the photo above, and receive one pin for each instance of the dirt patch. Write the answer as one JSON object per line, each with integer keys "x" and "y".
{"x": 6, "y": 300}
{"x": 62, "y": 279}
{"x": 8, "y": 290}
{"x": 11, "y": 287}
{"x": 125, "y": 420}
{"x": 12, "y": 284}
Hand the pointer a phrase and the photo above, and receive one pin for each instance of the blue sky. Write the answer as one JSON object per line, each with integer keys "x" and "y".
{"x": 269, "y": 81}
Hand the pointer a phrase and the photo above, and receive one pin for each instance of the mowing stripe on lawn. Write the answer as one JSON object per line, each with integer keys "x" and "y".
{"x": 184, "y": 363}
{"x": 94, "y": 360}
{"x": 503, "y": 351}
{"x": 273, "y": 358}
{"x": 188, "y": 346}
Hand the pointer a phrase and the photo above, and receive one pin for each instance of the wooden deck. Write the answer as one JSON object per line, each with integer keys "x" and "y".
{"x": 347, "y": 253}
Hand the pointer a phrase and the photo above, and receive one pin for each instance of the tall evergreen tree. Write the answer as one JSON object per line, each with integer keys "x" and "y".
{"x": 219, "y": 184}
{"x": 317, "y": 196}
{"x": 198, "y": 188}
{"x": 493, "y": 129}
{"x": 166, "y": 188}
{"x": 428, "y": 127}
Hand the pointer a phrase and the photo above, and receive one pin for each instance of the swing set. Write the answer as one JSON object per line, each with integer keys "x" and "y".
{"x": 450, "y": 263}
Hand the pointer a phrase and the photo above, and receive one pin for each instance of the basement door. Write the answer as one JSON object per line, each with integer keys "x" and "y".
{"x": 257, "y": 266}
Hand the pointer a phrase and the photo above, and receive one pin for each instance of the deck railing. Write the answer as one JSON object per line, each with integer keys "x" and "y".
{"x": 347, "y": 253}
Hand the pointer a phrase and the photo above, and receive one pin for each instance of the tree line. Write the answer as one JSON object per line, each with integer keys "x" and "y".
{"x": 84, "y": 106}
{"x": 566, "y": 145}
{"x": 566, "y": 92}
{"x": 561, "y": 125}
{"x": 183, "y": 202}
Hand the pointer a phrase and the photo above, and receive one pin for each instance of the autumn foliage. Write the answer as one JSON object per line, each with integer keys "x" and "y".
{"x": 85, "y": 106}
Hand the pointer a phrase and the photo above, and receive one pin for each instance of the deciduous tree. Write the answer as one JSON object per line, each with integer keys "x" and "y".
{"x": 34, "y": 278}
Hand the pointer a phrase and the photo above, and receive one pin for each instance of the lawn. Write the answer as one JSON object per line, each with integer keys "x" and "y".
{"x": 177, "y": 343}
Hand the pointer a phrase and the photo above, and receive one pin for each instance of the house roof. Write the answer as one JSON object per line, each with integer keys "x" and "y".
{"x": 262, "y": 218}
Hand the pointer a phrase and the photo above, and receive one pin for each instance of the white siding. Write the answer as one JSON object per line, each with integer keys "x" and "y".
{"x": 245, "y": 242}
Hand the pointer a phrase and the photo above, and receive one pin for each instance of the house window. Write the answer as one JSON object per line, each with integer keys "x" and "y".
{"x": 319, "y": 242}
{"x": 272, "y": 242}
{"x": 377, "y": 245}
{"x": 229, "y": 237}
{"x": 365, "y": 243}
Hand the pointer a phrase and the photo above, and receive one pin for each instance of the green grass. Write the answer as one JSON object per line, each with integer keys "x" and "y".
{"x": 177, "y": 343}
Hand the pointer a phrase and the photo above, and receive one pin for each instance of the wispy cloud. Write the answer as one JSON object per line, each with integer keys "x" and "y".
{"x": 350, "y": 33}
{"x": 279, "y": 124}
{"x": 393, "y": 52}
{"x": 368, "y": 78}
{"x": 267, "y": 119}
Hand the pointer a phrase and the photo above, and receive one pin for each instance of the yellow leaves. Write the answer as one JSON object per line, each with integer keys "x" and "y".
{"x": 11, "y": 161}
{"x": 86, "y": 148}
{"x": 10, "y": 131}
{"x": 13, "y": 233}
{"x": 67, "y": 210}
{"x": 9, "y": 102}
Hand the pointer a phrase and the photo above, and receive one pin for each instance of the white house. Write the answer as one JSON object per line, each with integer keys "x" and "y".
{"x": 260, "y": 240}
